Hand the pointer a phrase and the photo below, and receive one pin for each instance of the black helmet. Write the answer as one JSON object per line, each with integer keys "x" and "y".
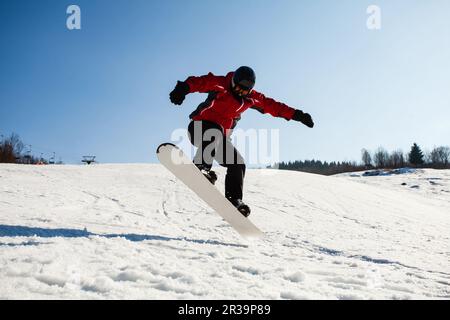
{"x": 245, "y": 78}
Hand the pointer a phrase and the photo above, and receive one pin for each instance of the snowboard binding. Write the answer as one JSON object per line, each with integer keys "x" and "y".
{"x": 211, "y": 176}
{"x": 241, "y": 206}
{"x": 208, "y": 173}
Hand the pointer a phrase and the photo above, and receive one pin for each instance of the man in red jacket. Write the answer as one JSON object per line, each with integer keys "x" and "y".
{"x": 214, "y": 119}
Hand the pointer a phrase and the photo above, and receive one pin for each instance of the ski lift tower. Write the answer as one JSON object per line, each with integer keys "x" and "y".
{"x": 88, "y": 159}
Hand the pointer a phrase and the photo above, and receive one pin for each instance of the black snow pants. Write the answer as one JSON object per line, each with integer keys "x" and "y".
{"x": 212, "y": 145}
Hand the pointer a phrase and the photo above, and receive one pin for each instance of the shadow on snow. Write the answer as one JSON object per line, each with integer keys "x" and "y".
{"x": 22, "y": 231}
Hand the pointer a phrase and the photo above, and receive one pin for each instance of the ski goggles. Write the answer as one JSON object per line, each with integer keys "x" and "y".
{"x": 240, "y": 90}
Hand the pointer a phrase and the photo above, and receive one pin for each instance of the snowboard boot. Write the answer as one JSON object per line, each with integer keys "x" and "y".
{"x": 241, "y": 206}
{"x": 208, "y": 173}
{"x": 211, "y": 176}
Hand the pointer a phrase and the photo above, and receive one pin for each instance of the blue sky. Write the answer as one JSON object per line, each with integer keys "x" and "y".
{"x": 103, "y": 90}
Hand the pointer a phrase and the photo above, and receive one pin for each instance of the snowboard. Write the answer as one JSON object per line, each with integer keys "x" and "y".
{"x": 185, "y": 170}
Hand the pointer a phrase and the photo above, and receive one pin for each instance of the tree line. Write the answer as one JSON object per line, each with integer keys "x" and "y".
{"x": 438, "y": 158}
{"x": 12, "y": 151}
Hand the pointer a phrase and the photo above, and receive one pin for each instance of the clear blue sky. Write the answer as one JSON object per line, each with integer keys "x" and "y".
{"x": 104, "y": 89}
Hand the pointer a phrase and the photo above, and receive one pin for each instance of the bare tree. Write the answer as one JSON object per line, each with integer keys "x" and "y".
{"x": 381, "y": 158}
{"x": 10, "y": 149}
{"x": 445, "y": 155}
{"x": 396, "y": 159}
{"x": 16, "y": 143}
{"x": 440, "y": 156}
{"x": 366, "y": 158}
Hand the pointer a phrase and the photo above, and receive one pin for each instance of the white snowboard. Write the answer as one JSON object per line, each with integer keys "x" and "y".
{"x": 184, "y": 169}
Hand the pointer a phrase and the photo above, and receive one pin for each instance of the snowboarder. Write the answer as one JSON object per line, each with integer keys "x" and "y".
{"x": 228, "y": 97}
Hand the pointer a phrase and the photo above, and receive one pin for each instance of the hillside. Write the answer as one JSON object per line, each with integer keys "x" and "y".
{"x": 131, "y": 231}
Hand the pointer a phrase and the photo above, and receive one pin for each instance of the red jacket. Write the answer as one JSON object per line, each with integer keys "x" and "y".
{"x": 224, "y": 108}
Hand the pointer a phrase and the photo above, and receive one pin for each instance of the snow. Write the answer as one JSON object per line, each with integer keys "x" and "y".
{"x": 132, "y": 231}
{"x": 384, "y": 172}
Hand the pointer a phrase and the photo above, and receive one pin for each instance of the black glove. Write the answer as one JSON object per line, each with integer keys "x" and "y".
{"x": 304, "y": 118}
{"x": 179, "y": 93}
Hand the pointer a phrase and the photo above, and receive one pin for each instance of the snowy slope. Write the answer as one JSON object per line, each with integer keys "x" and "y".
{"x": 134, "y": 232}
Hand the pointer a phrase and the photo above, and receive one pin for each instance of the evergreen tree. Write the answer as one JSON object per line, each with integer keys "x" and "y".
{"x": 416, "y": 155}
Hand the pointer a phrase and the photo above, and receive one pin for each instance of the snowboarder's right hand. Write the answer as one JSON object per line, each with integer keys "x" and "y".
{"x": 179, "y": 93}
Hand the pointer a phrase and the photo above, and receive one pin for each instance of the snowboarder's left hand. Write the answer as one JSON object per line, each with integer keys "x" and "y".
{"x": 304, "y": 118}
{"x": 179, "y": 93}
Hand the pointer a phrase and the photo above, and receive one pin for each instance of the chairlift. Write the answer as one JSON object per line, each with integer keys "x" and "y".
{"x": 88, "y": 159}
